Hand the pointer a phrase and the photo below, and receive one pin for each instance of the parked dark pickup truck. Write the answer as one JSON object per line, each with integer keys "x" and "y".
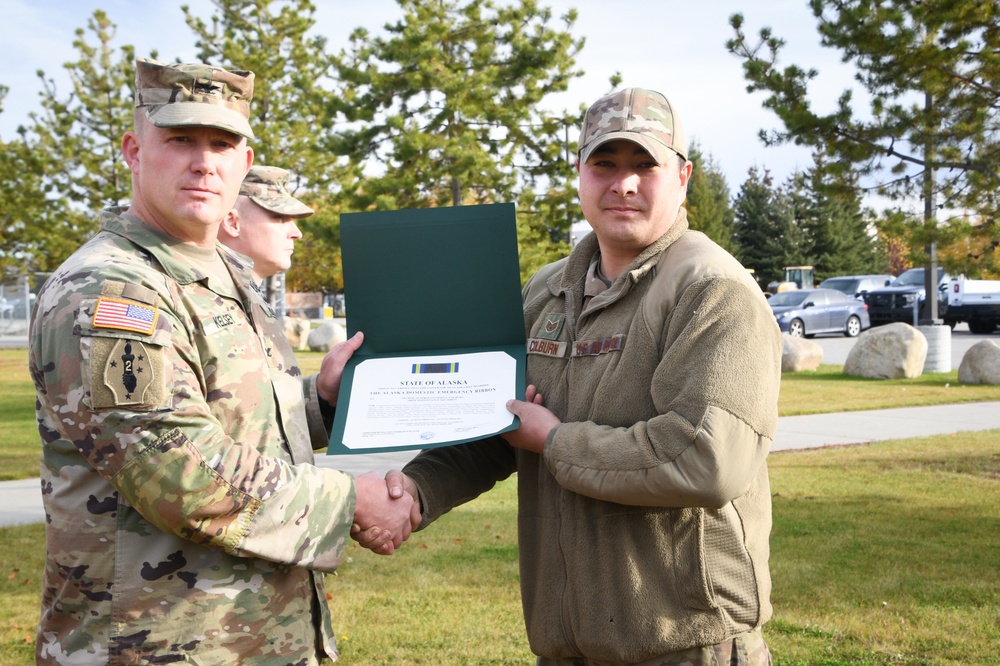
{"x": 904, "y": 298}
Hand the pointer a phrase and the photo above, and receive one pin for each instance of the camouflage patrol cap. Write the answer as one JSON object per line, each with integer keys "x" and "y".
{"x": 179, "y": 95}
{"x": 634, "y": 114}
{"x": 267, "y": 187}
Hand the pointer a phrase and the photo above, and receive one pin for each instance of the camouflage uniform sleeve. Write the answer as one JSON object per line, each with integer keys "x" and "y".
{"x": 319, "y": 422}
{"x": 449, "y": 476}
{"x": 189, "y": 436}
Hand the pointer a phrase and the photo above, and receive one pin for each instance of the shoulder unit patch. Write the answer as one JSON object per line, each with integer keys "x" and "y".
{"x": 128, "y": 372}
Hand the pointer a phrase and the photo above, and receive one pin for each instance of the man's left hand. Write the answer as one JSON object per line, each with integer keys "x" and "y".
{"x": 332, "y": 368}
{"x": 536, "y": 422}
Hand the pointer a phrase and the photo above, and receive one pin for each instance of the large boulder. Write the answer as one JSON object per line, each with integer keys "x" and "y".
{"x": 981, "y": 364}
{"x": 325, "y": 336}
{"x": 297, "y": 331}
{"x": 893, "y": 351}
{"x": 799, "y": 354}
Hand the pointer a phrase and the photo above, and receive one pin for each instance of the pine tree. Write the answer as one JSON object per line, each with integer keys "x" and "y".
{"x": 840, "y": 233}
{"x": 708, "y": 205}
{"x": 293, "y": 115}
{"x": 21, "y": 202}
{"x": 764, "y": 234}
{"x": 931, "y": 72}
{"x": 68, "y": 157}
{"x": 447, "y": 110}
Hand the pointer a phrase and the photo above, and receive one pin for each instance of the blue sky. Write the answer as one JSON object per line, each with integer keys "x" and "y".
{"x": 675, "y": 47}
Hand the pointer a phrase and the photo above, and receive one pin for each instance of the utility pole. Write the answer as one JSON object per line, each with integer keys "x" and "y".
{"x": 569, "y": 160}
{"x": 274, "y": 293}
{"x": 929, "y": 314}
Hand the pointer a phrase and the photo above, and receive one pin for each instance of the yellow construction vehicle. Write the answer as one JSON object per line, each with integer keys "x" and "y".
{"x": 796, "y": 277}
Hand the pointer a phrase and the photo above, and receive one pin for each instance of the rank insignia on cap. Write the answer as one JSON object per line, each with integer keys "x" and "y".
{"x": 124, "y": 315}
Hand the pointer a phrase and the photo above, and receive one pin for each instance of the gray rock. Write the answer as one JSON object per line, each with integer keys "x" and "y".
{"x": 981, "y": 364}
{"x": 297, "y": 331}
{"x": 325, "y": 336}
{"x": 799, "y": 354}
{"x": 893, "y": 351}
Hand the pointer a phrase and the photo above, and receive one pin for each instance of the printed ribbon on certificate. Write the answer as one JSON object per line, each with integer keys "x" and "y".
{"x": 428, "y": 400}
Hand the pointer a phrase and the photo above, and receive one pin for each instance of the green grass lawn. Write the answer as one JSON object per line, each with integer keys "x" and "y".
{"x": 828, "y": 389}
{"x": 19, "y": 446}
{"x": 885, "y": 554}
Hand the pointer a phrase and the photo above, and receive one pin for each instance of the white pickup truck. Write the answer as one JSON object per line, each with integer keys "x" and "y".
{"x": 976, "y": 302}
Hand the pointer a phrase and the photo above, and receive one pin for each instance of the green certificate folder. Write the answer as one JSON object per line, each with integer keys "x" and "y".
{"x": 437, "y": 293}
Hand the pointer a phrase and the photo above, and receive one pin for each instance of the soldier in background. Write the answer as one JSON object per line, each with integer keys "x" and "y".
{"x": 644, "y": 509}
{"x": 262, "y": 226}
{"x": 185, "y": 521}
{"x": 262, "y": 223}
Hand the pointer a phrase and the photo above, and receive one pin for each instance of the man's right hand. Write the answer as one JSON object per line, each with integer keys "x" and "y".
{"x": 397, "y": 483}
{"x": 385, "y": 520}
{"x": 399, "y": 487}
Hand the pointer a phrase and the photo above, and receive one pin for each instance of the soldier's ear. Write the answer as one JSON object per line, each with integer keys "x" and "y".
{"x": 130, "y": 150}
{"x": 686, "y": 168}
{"x": 231, "y": 224}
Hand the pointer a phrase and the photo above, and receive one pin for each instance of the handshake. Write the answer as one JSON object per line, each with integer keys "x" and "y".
{"x": 386, "y": 511}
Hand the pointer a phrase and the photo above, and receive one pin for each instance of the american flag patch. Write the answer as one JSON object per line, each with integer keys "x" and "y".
{"x": 125, "y": 315}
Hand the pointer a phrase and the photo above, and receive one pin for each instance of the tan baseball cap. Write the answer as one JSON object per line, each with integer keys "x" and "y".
{"x": 634, "y": 114}
{"x": 267, "y": 187}
{"x": 181, "y": 95}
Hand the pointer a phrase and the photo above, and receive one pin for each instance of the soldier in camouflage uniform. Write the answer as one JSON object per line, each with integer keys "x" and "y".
{"x": 185, "y": 521}
{"x": 262, "y": 223}
{"x": 643, "y": 502}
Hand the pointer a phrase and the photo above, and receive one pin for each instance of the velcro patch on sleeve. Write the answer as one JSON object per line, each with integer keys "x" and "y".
{"x": 126, "y": 373}
{"x": 124, "y": 315}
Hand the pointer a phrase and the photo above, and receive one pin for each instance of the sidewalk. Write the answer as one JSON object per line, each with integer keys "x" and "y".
{"x": 840, "y": 428}
{"x": 21, "y": 502}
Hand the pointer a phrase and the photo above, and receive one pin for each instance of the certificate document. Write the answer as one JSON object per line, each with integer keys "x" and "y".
{"x": 437, "y": 293}
{"x": 429, "y": 399}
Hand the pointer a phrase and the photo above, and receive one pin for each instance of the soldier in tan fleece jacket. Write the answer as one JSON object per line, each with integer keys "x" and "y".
{"x": 644, "y": 506}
